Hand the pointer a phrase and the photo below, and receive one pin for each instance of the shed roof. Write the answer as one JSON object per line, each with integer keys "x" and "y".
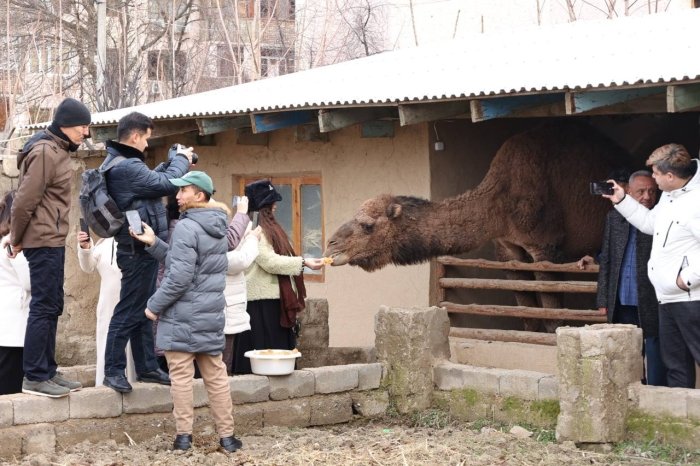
{"x": 658, "y": 48}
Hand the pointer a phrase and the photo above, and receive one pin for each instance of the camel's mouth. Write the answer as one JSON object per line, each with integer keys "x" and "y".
{"x": 339, "y": 258}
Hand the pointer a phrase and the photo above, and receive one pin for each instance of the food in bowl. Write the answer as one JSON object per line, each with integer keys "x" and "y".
{"x": 272, "y": 361}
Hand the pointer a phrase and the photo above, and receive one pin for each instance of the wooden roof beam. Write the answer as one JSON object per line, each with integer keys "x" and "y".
{"x": 335, "y": 119}
{"x": 265, "y": 122}
{"x": 219, "y": 125}
{"x": 521, "y": 106}
{"x": 682, "y": 98}
{"x": 639, "y": 100}
{"x": 411, "y": 114}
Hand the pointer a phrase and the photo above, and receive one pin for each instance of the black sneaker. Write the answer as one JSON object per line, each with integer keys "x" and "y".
{"x": 230, "y": 444}
{"x": 156, "y": 376}
{"x": 71, "y": 385}
{"x": 182, "y": 442}
{"x": 44, "y": 388}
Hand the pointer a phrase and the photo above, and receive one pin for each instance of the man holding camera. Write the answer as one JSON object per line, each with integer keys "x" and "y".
{"x": 674, "y": 263}
{"x": 624, "y": 291}
{"x": 134, "y": 186}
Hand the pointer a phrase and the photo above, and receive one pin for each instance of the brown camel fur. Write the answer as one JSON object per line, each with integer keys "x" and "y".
{"x": 534, "y": 203}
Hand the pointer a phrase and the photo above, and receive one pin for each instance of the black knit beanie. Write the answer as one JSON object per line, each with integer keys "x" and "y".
{"x": 71, "y": 112}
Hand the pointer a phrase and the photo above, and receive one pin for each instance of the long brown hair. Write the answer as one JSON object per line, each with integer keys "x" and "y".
{"x": 274, "y": 232}
{"x": 6, "y": 211}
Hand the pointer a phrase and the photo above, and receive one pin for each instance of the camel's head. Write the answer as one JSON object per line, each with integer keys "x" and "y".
{"x": 371, "y": 238}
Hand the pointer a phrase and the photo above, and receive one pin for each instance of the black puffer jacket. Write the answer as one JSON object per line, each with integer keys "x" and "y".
{"x": 133, "y": 185}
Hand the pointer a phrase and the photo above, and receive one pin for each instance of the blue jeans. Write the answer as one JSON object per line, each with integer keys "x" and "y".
{"x": 129, "y": 322}
{"x": 46, "y": 278}
{"x": 656, "y": 370}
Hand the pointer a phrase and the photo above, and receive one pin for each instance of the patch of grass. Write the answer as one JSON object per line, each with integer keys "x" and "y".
{"x": 434, "y": 418}
{"x": 660, "y": 452}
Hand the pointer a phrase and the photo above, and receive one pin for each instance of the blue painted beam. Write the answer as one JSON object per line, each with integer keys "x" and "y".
{"x": 535, "y": 105}
{"x": 265, "y": 122}
{"x": 588, "y": 101}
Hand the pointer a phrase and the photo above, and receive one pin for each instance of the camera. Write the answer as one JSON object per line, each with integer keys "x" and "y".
{"x": 175, "y": 148}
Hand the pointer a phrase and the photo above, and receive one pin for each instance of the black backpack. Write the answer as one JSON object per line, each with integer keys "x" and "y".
{"x": 96, "y": 205}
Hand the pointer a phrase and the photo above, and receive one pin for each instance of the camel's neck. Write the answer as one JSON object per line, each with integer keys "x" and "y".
{"x": 463, "y": 223}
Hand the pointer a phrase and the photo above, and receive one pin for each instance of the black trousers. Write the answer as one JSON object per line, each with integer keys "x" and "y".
{"x": 46, "y": 305}
{"x": 11, "y": 372}
{"x": 265, "y": 333}
{"x": 679, "y": 332}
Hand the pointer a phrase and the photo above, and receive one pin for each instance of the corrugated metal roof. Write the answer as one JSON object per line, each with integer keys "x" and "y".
{"x": 658, "y": 48}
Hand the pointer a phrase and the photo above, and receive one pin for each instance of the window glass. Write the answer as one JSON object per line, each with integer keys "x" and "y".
{"x": 283, "y": 214}
{"x": 311, "y": 228}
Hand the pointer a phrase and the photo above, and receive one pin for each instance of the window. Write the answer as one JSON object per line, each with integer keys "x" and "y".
{"x": 160, "y": 65}
{"x": 275, "y": 61}
{"x": 300, "y": 213}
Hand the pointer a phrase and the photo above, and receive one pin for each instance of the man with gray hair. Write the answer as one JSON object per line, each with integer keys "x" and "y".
{"x": 625, "y": 293}
{"x": 674, "y": 262}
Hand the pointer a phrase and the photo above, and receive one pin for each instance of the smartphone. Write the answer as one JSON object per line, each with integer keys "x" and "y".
{"x": 601, "y": 187}
{"x": 84, "y": 226}
{"x": 9, "y": 249}
{"x": 134, "y": 219}
{"x": 234, "y": 201}
{"x": 255, "y": 219}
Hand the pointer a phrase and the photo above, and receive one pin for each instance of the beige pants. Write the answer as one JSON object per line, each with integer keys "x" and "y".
{"x": 213, "y": 370}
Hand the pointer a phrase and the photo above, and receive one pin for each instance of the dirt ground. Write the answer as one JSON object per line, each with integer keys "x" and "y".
{"x": 380, "y": 442}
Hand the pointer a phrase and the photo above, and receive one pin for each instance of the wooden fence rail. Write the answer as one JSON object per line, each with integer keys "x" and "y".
{"x": 540, "y": 286}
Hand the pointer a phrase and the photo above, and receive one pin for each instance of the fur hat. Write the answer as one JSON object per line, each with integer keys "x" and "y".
{"x": 261, "y": 193}
{"x": 71, "y": 112}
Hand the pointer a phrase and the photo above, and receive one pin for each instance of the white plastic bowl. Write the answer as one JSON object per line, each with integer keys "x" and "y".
{"x": 272, "y": 361}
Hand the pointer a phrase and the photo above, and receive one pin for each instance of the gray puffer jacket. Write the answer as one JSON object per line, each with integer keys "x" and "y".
{"x": 190, "y": 302}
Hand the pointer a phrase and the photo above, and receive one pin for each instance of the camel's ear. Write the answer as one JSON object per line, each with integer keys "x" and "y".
{"x": 393, "y": 211}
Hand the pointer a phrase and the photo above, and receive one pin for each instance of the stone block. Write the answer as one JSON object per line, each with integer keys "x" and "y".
{"x": 693, "y": 400}
{"x": 249, "y": 388}
{"x": 139, "y": 427}
{"x": 31, "y": 409}
{"x": 664, "y": 401}
{"x": 6, "y": 413}
{"x": 369, "y": 376}
{"x": 74, "y": 431}
{"x": 548, "y": 388}
{"x": 370, "y": 403}
{"x": 148, "y": 398}
{"x": 11, "y": 445}
{"x": 338, "y": 355}
{"x": 9, "y": 166}
{"x": 330, "y": 409}
{"x": 333, "y": 379}
{"x": 313, "y": 357}
{"x": 83, "y": 374}
{"x": 315, "y": 313}
{"x": 288, "y": 413}
{"x": 200, "y": 396}
{"x": 248, "y": 418}
{"x": 452, "y": 376}
{"x": 520, "y": 384}
{"x": 295, "y": 385}
{"x": 95, "y": 402}
{"x": 313, "y": 336}
{"x": 39, "y": 438}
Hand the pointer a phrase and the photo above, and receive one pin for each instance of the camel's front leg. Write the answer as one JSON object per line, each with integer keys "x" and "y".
{"x": 547, "y": 300}
{"x": 506, "y": 251}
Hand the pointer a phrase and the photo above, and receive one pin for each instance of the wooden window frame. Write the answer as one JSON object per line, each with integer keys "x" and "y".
{"x": 295, "y": 181}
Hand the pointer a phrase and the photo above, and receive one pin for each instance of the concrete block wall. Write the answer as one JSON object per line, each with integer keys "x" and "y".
{"x": 319, "y": 396}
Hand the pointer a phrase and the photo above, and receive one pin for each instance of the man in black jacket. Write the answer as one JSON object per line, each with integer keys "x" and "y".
{"x": 625, "y": 293}
{"x": 134, "y": 186}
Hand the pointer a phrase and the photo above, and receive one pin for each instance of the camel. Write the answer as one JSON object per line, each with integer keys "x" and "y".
{"x": 533, "y": 203}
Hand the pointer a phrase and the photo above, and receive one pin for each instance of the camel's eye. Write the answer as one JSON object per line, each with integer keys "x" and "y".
{"x": 367, "y": 227}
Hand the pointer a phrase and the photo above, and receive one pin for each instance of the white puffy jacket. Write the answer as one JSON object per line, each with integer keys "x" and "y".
{"x": 675, "y": 225}
{"x": 237, "y": 319}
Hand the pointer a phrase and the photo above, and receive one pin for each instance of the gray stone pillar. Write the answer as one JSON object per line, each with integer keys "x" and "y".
{"x": 409, "y": 342}
{"x": 596, "y": 365}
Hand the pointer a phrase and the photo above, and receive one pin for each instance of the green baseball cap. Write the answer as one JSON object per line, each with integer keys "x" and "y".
{"x": 197, "y": 178}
